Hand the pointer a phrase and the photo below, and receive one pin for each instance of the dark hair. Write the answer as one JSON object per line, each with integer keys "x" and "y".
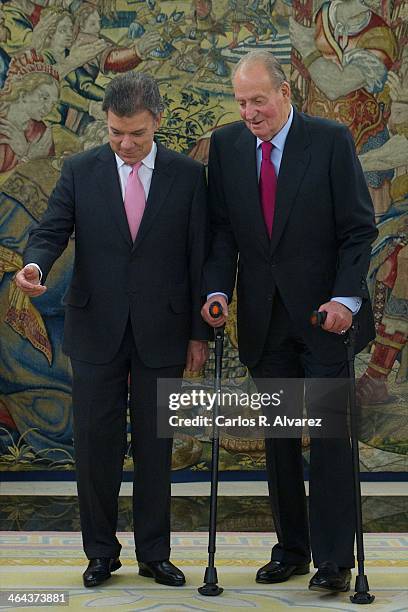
{"x": 131, "y": 93}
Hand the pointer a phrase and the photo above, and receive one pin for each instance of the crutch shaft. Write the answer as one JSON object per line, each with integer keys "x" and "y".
{"x": 210, "y": 587}
{"x": 361, "y": 595}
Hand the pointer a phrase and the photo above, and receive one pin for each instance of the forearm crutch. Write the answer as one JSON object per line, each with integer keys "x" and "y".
{"x": 361, "y": 595}
{"x": 210, "y": 587}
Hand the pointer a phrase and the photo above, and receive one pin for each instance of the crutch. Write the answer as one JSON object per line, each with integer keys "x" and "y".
{"x": 210, "y": 587}
{"x": 361, "y": 595}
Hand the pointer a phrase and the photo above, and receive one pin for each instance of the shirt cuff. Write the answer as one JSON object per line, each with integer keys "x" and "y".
{"x": 352, "y": 303}
{"x": 38, "y": 268}
{"x": 210, "y": 295}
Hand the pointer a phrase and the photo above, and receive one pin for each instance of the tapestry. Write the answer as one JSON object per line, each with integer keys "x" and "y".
{"x": 345, "y": 60}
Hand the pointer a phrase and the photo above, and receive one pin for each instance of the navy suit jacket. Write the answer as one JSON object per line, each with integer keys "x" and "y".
{"x": 321, "y": 240}
{"x": 156, "y": 280}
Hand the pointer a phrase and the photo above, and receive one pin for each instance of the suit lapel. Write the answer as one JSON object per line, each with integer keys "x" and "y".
{"x": 108, "y": 181}
{"x": 247, "y": 187}
{"x": 295, "y": 161}
{"x": 159, "y": 188}
{"x": 107, "y": 177}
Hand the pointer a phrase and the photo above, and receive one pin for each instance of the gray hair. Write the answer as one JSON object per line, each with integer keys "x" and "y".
{"x": 268, "y": 60}
{"x": 131, "y": 93}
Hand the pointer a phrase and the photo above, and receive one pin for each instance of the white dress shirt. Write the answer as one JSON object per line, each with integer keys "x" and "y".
{"x": 278, "y": 142}
{"x": 145, "y": 171}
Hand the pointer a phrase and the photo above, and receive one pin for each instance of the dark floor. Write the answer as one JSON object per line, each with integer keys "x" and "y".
{"x": 244, "y": 513}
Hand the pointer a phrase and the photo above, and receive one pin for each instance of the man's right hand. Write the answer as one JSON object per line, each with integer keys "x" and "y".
{"x": 205, "y": 311}
{"x": 28, "y": 280}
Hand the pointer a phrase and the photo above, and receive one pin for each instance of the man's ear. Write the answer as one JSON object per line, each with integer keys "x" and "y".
{"x": 285, "y": 89}
{"x": 157, "y": 121}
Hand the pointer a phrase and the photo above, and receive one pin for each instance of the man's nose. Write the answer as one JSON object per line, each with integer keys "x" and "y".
{"x": 127, "y": 142}
{"x": 250, "y": 112}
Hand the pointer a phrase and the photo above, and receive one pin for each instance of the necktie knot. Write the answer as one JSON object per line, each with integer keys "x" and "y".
{"x": 266, "y": 150}
{"x": 135, "y": 167}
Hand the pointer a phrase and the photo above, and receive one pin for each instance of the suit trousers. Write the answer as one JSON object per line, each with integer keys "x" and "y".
{"x": 331, "y": 496}
{"x": 100, "y": 400}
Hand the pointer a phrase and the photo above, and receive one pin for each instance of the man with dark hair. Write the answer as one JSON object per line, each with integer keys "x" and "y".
{"x": 133, "y": 308}
{"x": 287, "y": 194}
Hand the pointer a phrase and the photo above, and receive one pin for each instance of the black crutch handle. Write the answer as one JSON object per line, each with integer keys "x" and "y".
{"x": 215, "y": 310}
{"x": 317, "y": 318}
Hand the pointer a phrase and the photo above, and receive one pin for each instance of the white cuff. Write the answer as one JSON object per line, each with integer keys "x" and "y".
{"x": 38, "y": 268}
{"x": 352, "y": 303}
{"x": 210, "y": 295}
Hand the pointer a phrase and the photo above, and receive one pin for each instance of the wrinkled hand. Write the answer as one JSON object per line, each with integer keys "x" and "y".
{"x": 197, "y": 355}
{"x": 339, "y": 317}
{"x": 302, "y": 37}
{"x": 28, "y": 280}
{"x": 10, "y": 135}
{"x": 146, "y": 44}
{"x": 205, "y": 311}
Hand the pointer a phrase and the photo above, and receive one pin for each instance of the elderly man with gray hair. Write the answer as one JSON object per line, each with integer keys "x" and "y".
{"x": 132, "y": 313}
{"x": 292, "y": 225}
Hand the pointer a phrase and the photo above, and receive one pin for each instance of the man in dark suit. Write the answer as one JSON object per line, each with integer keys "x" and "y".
{"x": 290, "y": 209}
{"x": 133, "y": 307}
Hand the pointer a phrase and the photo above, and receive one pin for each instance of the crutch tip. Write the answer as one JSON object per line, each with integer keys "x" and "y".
{"x": 210, "y": 590}
{"x": 361, "y": 595}
{"x": 362, "y": 598}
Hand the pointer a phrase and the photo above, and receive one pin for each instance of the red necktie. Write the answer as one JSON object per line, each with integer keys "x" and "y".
{"x": 267, "y": 186}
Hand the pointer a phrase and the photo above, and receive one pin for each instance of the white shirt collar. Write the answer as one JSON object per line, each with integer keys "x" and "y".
{"x": 279, "y": 139}
{"x": 148, "y": 161}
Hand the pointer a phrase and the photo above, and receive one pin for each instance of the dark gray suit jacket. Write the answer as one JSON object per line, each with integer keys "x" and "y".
{"x": 156, "y": 280}
{"x": 321, "y": 239}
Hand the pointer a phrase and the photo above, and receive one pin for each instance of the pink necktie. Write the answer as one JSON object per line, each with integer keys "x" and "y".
{"x": 267, "y": 186}
{"x": 135, "y": 200}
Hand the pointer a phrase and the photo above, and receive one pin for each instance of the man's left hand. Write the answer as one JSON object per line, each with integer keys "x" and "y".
{"x": 197, "y": 355}
{"x": 339, "y": 317}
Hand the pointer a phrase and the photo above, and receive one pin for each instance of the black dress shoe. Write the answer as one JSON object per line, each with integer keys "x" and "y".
{"x": 330, "y": 577}
{"x": 277, "y": 571}
{"x": 164, "y": 572}
{"x": 99, "y": 570}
